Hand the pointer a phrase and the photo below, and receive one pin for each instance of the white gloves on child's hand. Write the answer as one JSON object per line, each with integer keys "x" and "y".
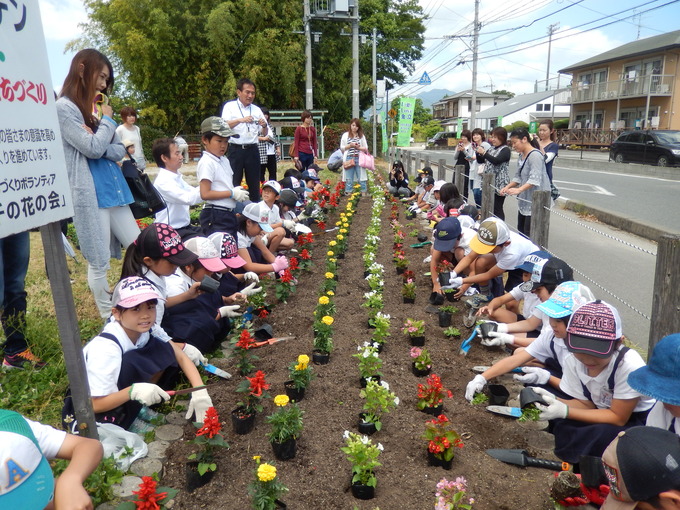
{"x": 280, "y": 263}
{"x": 229, "y": 311}
{"x": 454, "y": 283}
{"x": 239, "y": 194}
{"x": 148, "y": 394}
{"x": 497, "y": 339}
{"x": 200, "y": 403}
{"x": 251, "y": 277}
{"x": 194, "y": 354}
{"x": 533, "y": 375}
{"x": 250, "y": 290}
{"x": 554, "y": 410}
{"x": 475, "y": 386}
{"x": 289, "y": 224}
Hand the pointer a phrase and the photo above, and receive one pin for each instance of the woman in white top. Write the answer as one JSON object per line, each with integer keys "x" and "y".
{"x": 351, "y": 143}
{"x": 128, "y": 131}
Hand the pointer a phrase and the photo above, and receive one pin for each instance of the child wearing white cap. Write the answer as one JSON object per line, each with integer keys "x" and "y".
{"x": 277, "y": 239}
{"x": 259, "y": 259}
{"x": 26, "y": 479}
{"x": 124, "y": 359}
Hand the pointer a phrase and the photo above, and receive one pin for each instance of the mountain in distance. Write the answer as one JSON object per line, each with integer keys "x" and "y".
{"x": 432, "y": 96}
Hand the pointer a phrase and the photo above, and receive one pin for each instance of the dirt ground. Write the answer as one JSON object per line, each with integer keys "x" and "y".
{"x": 319, "y": 476}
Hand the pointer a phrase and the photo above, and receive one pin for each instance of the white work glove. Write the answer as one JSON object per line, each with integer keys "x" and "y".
{"x": 497, "y": 339}
{"x": 533, "y": 375}
{"x": 251, "y": 277}
{"x": 200, "y": 402}
{"x": 229, "y": 311}
{"x": 475, "y": 386}
{"x": 554, "y": 410}
{"x": 239, "y": 194}
{"x": 148, "y": 394}
{"x": 265, "y": 239}
{"x": 194, "y": 354}
{"x": 289, "y": 224}
{"x": 250, "y": 290}
{"x": 502, "y": 327}
{"x": 280, "y": 263}
{"x": 454, "y": 283}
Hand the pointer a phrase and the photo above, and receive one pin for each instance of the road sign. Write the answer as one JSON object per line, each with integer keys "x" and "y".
{"x": 392, "y": 113}
{"x": 425, "y": 79}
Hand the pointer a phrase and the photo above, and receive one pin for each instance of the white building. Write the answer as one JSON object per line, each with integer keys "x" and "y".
{"x": 526, "y": 108}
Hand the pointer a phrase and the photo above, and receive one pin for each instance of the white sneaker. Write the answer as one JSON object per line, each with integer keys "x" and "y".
{"x": 427, "y": 259}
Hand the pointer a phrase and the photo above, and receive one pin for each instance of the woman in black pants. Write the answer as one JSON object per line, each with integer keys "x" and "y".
{"x": 497, "y": 160}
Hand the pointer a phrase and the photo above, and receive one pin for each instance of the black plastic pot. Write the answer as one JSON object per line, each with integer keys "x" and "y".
{"x": 420, "y": 373}
{"x": 434, "y": 411}
{"x": 444, "y": 278}
{"x": 363, "y": 491}
{"x": 417, "y": 341}
{"x": 422, "y": 238}
{"x": 366, "y": 428}
{"x": 434, "y": 461}
{"x": 400, "y": 270}
{"x": 498, "y": 394}
{"x": 487, "y": 327}
{"x": 436, "y": 299}
{"x": 242, "y": 423}
{"x": 293, "y": 393}
{"x": 444, "y": 319}
{"x": 321, "y": 358}
{"x": 194, "y": 480}
{"x": 451, "y": 297}
{"x": 409, "y": 300}
{"x": 529, "y": 396}
{"x": 285, "y": 450}
{"x": 364, "y": 380}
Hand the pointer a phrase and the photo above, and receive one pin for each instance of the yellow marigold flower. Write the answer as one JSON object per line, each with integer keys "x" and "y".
{"x": 342, "y": 214}
{"x": 332, "y": 243}
{"x": 256, "y": 458}
{"x": 327, "y": 319}
{"x": 330, "y": 293}
{"x": 332, "y": 260}
{"x": 330, "y": 253}
{"x": 329, "y": 275}
{"x": 340, "y": 237}
{"x": 338, "y": 223}
{"x": 303, "y": 358}
{"x": 300, "y": 366}
{"x": 323, "y": 300}
{"x": 343, "y": 230}
{"x": 266, "y": 472}
{"x": 281, "y": 400}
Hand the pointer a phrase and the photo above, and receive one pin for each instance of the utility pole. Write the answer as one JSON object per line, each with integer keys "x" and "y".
{"x": 309, "y": 98}
{"x": 355, "y": 60}
{"x": 475, "y": 41}
{"x": 375, "y": 93}
{"x": 551, "y": 31}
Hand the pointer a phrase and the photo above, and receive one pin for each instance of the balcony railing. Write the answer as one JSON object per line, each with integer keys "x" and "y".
{"x": 641, "y": 86}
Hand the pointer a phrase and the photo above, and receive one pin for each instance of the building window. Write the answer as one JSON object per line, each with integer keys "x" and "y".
{"x": 546, "y": 107}
{"x": 478, "y": 105}
{"x": 539, "y": 107}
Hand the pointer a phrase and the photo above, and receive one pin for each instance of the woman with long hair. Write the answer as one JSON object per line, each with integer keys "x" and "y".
{"x": 497, "y": 159}
{"x": 547, "y": 144}
{"x": 476, "y": 167}
{"x": 352, "y": 142}
{"x": 91, "y": 148}
{"x": 306, "y": 144}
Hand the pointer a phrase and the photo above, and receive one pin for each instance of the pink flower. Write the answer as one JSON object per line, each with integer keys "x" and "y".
{"x": 415, "y": 352}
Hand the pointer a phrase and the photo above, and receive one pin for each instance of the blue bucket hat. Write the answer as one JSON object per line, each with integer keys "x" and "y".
{"x": 566, "y": 298}
{"x": 660, "y": 378}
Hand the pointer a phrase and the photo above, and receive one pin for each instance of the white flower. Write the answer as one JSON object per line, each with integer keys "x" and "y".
{"x": 345, "y": 434}
{"x": 376, "y": 345}
{"x": 396, "y": 401}
{"x": 385, "y": 385}
{"x": 380, "y": 447}
{"x": 364, "y": 439}
{"x": 366, "y": 353}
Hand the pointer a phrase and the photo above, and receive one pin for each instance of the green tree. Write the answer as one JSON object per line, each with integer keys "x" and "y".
{"x": 504, "y": 93}
{"x": 180, "y": 59}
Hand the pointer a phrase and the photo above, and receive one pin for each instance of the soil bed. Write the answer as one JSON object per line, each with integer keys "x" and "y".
{"x": 319, "y": 476}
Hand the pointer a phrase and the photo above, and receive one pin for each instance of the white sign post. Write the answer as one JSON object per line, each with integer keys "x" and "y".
{"x": 34, "y": 186}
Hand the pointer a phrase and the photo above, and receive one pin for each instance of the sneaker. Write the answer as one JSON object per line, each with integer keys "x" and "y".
{"x": 427, "y": 259}
{"x": 19, "y": 359}
{"x": 477, "y": 300}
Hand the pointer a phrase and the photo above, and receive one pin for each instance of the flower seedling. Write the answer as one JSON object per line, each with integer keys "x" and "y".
{"x": 408, "y": 290}
{"x": 369, "y": 361}
{"x": 441, "y": 438}
{"x": 451, "y": 495}
{"x": 432, "y": 393}
{"x": 421, "y": 358}
{"x": 266, "y": 488}
{"x": 479, "y": 398}
{"x": 450, "y": 332}
{"x": 149, "y": 496}
{"x": 323, "y": 332}
{"x": 241, "y": 352}
{"x": 378, "y": 400}
{"x": 208, "y": 437}
{"x": 285, "y": 285}
{"x": 448, "y": 309}
{"x": 255, "y": 389}
{"x": 300, "y": 372}
{"x": 414, "y": 327}
{"x": 286, "y": 422}
{"x": 530, "y": 413}
{"x": 363, "y": 455}
{"x": 381, "y": 325}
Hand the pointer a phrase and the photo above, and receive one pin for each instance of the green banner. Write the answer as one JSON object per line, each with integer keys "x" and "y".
{"x": 383, "y": 130}
{"x": 533, "y": 127}
{"x": 459, "y": 127}
{"x": 406, "y": 107}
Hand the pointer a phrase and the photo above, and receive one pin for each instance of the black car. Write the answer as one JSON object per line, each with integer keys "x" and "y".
{"x": 441, "y": 139}
{"x": 655, "y": 147}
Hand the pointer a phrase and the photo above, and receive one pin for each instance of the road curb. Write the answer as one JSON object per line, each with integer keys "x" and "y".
{"x": 625, "y": 223}
{"x": 670, "y": 173}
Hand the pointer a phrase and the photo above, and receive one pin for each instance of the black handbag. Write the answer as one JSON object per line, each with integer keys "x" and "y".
{"x": 147, "y": 199}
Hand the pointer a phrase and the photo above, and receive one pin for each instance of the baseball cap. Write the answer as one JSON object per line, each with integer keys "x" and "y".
{"x": 310, "y": 173}
{"x": 566, "y": 298}
{"x": 218, "y": 126}
{"x": 292, "y": 183}
{"x": 446, "y": 234}
{"x": 427, "y": 181}
{"x": 253, "y": 212}
{"x": 128, "y": 143}
{"x": 208, "y": 255}
{"x": 133, "y": 291}
{"x": 528, "y": 265}
{"x": 289, "y": 198}
{"x": 659, "y": 378}
{"x": 594, "y": 329}
{"x": 469, "y": 210}
{"x": 228, "y": 248}
{"x": 552, "y": 271}
{"x": 273, "y": 185}
{"x": 640, "y": 463}
{"x": 30, "y": 483}
{"x": 160, "y": 240}
{"x": 314, "y": 167}
{"x": 491, "y": 233}
{"x": 426, "y": 171}
{"x": 438, "y": 185}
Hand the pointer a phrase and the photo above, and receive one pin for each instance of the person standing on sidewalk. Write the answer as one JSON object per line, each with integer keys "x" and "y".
{"x": 497, "y": 160}
{"x": 306, "y": 145}
{"x": 248, "y": 122}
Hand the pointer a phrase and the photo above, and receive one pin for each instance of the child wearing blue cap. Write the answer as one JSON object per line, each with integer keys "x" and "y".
{"x": 26, "y": 479}
{"x": 660, "y": 379}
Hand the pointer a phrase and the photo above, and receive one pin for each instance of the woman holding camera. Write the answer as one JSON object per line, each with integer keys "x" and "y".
{"x": 399, "y": 181}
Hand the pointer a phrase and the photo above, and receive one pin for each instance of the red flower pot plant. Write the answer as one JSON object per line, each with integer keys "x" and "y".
{"x": 209, "y": 438}
{"x": 431, "y": 394}
{"x": 442, "y": 440}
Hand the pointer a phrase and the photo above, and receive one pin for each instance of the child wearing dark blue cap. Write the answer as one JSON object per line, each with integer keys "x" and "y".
{"x": 660, "y": 379}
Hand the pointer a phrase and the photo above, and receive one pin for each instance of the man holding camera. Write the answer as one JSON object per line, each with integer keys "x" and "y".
{"x": 247, "y": 120}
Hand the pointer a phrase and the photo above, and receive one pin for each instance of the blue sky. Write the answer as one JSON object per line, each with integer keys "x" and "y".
{"x": 498, "y": 65}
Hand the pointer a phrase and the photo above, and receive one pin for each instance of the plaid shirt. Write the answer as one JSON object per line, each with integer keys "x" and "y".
{"x": 262, "y": 147}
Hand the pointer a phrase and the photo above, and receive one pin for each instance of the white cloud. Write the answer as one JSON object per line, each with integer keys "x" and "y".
{"x": 61, "y": 18}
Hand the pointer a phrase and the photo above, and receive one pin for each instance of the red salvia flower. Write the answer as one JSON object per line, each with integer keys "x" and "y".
{"x": 147, "y": 499}
{"x": 286, "y": 276}
{"x": 322, "y": 204}
{"x": 258, "y": 384}
{"x": 293, "y": 263}
{"x": 211, "y": 426}
{"x": 245, "y": 341}
{"x": 263, "y": 313}
{"x": 304, "y": 255}
{"x": 321, "y": 224}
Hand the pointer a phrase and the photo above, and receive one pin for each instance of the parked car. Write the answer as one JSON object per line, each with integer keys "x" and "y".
{"x": 394, "y": 136}
{"x": 441, "y": 139}
{"x": 654, "y": 147}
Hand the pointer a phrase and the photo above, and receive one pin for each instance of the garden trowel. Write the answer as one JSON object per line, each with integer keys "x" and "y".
{"x": 522, "y": 458}
{"x": 271, "y": 341}
{"x": 217, "y": 371}
{"x": 513, "y": 412}
{"x": 465, "y": 346}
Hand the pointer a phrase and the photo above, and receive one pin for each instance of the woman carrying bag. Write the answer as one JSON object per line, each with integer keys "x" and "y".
{"x": 351, "y": 144}
{"x": 306, "y": 145}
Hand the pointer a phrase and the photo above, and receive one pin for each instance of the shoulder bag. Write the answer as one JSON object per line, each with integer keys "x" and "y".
{"x": 366, "y": 160}
{"x": 147, "y": 199}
